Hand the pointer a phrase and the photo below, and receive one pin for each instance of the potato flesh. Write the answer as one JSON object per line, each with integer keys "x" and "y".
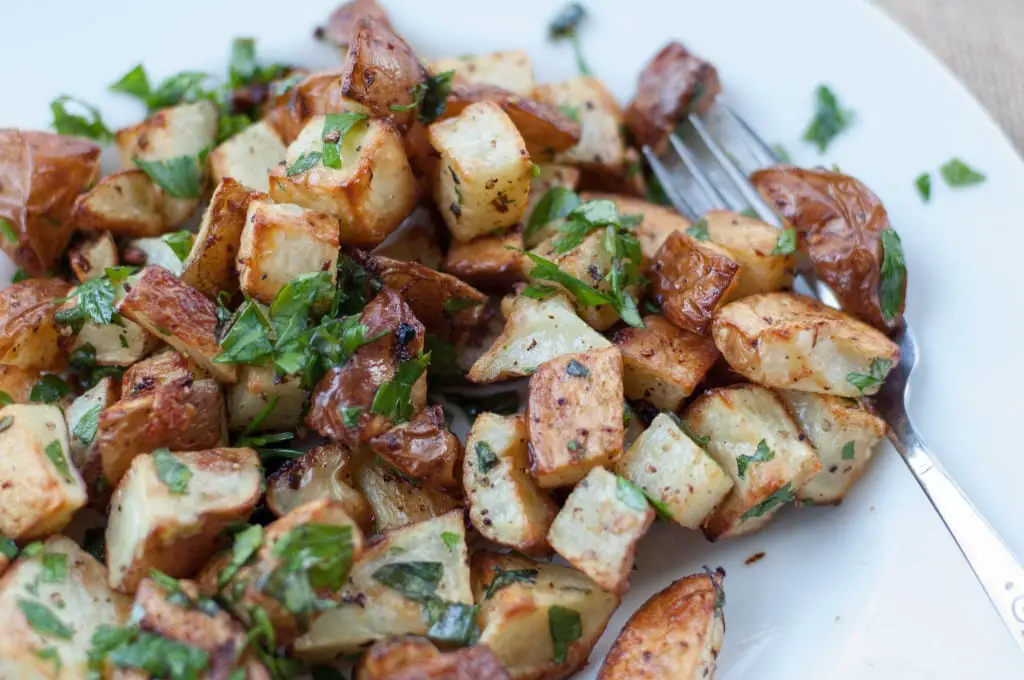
{"x": 249, "y": 156}
{"x": 595, "y": 107}
{"x": 510, "y": 70}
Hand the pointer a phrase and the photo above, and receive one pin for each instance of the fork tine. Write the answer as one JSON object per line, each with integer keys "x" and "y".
{"x": 668, "y": 185}
{"x": 763, "y": 152}
{"x": 716, "y": 197}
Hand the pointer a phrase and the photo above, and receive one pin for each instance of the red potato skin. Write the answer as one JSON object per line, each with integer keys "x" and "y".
{"x": 343, "y": 23}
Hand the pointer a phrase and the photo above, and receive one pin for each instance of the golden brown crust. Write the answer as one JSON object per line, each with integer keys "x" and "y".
{"x": 423, "y": 448}
{"x": 317, "y": 94}
{"x": 840, "y": 221}
{"x": 41, "y": 174}
{"x": 394, "y": 654}
{"x": 691, "y": 279}
{"x": 486, "y": 261}
{"x": 29, "y": 337}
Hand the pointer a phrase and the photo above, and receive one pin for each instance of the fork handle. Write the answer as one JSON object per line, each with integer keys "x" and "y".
{"x": 997, "y": 569}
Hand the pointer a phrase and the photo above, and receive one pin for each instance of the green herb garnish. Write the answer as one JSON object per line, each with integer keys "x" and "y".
{"x": 393, "y": 399}
{"x": 565, "y": 627}
{"x": 866, "y": 381}
{"x": 174, "y": 474}
{"x": 88, "y": 124}
{"x": 504, "y": 578}
{"x": 849, "y": 451}
{"x": 180, "y": 177}
{"x": 43, "y": 621}
{"x": 829, "y": 119}
{"x": 761, "y": 455}
{"x": 959, "y": 174}
{"x": 923, "y": 183}
{"x": 893, "y": 275}
{"x": 566, "y": 25}
{"x": 786, "y": 245}
{"x": 49, "y": 389}
{"x": 780, "y": 497}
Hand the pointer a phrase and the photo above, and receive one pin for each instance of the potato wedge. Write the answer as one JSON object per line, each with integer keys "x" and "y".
{"x": 86, "y": 604}
{"x": 692, "y": 279}
{"x": 170, "y": 510}
{"x": 179, "y": 315}
{"x": 794, "y": 342}
{"x": 510, "y": 70}
{"x": 843, "y": 434}
{"x": 41, "y": 174}
{"x": 574, "y": 416}
{"x": 535, "y": 331}
{"x": 599, "y": 526}
{"x": 90, "y": 258}
{"x": 752, "y": 245}
{"x": 128, "y": 203}
{"x": 372, "y": 190}
{"x": 675, "y": 635}
{"x": 526, "y": 611}
{"x": 505, "y": 504}
{"x": 663, "y": 364}
{"x": 414, "y": 658}
{"x": 659, "y": 221}
{"x": 755, "y": 439}
{"x": 40, "y": 489}
{"x": 423, "y": 448}
{"x": 395, "y": 501}
{"x": 587, "y": 100}
{"x": 323, "y": 472}
{"x": 487, "y": 261}
{"x": 257, "y": 388}
{"x": 249, "y": 156}
{"x": 210, "y": 267}
{"x": 29, "y": 335}
{"x": 479, "y": 193}
{"x": 675, "y": 473}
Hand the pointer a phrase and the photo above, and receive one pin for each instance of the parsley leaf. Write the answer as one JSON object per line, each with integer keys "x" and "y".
{"x": 246, "y": 543}
{"x": 174, "y": 474}
{"x": 430, "y": 97}
{"x": 313, "y": 556}
{"x": 451, "y": 539}
{"x": 181, "y": 87}
{"x": 893, "y": 275}
{"x": 393, "y": 399}
{"x": 761, "y": 455}
{"x": 135, "y": 83}
{"x": 49, "y": 389}
{"x": 351, "y": 415}
{"x": 88, "y": 424}
{"x": 8, "y": 232}
{"x": 557, "y": 203}
{"x": 180, "y": 177}
{"x": 504, "y": 578}
{"x": 486, "y": 459}
{"x": 414, "y": 580}
{"x": 630, "y": 494}
{"x": 246, "y": 340}
{"x": 43, "y": 621}
{"x": 55, "y": 567}
{"x": 88, "y": 124}
{"x": 242, "y": 68}
{"x": 829, "y": 119}
{"x": 180, "y": 242}
{"x": 923, "y": 182}
{"x": 849, "y": 450}
{"x": 457, "y": 304}
{"x": 866, "y": 381}
{"x": 699, "y": 230}
{"x": 336, "y": 126}
{"x": 566, "y": 25}
{"x": 565, "y": 627}
{"x": 780, "y": 497}
{"x": 8, "y": 548}
{"x": 304, "y": 162}
{"x": 160, "y": 657}
{"x": 959, "y": 174}
{"x": 786, "y": 245}
{"x": 451, "y": 622}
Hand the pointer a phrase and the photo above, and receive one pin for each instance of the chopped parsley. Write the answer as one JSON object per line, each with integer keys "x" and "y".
{"x": 504, "y": 578}
{"x": 923, "y": 183}
{"x": 246, "y": 341}
{"x": 486, "y": 459}
{"x": 781, "y": 497}
{"x": 786, "y": 245}
{"x": 180, "y": 176}
{"x": 55, "y": 567}
{"x": 574, "y": 445}
{"x": 430, "y": 97}
{"x": 88, "y": 424}
{"x": 49, "y": 389}
{"x": 158, "y": 656}
{"x": 866, "y": 381}
{"x": 565, "y": 627}
{"x": 89, "y": 123}
{"x": 451, "y": 539}
{"x": 44, "y": 621}
{"x": 829, "y": 119}
{"x": 566, "y": 26}
{"x": 5, "y": 399}
{"x": 624, "y": 304}
{"x": 135, "y": 83}
{"x": 350, "y": 415}
{"x": 336, "y": 126}
{"x": 246, "y": 543}
{"x": 393, "y": 399}
{"x": 557, "y": 203}
{"x": 8, "y": 232}
{"x": 313, "y": 556}
{"x": 304, "y": 162}
{"x": 174, "y": 474}
{"x": 762, "y": 454}
{"x": 699, "y": 230}
{"x": 893, "y": 275}
{"x": 55, "y": 452}
{"x": 630, "y": 494}
{"x": 956, "y": 173}
{"x": 414, "y": 580}
{"x": 457, "y": 304}
{"x": 571, "y": 112}
{"x": 451, "y": 622}
{"x": 180, "y": 242}
{"x": 849, "y": 451}
{"x": 8, "y": 548}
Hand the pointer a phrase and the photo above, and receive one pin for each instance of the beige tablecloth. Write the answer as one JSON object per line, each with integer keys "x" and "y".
{"x": 983, "y": 42}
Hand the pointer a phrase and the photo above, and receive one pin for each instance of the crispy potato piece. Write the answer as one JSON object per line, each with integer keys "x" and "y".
{"x": 535, "y": 331}
{"x": 90, "y": 258}
{"x": 83, "y": 420}
{"x": 505, "y": 504}
{"x": 210, "y": 267}
{"x": 510, "y": 70}
{"x": 662, "y": 364}
{"x": 415, "y": 239}
{"x": 282, "y": 241}
{"x": 369, "y": 610}
{"x": 574, "y": 414}
{"x": 249, "y": 156}
{"x": 483, "y": 178}
{"x": 675, "y": 635}
{"x": 659, "y": 221}
{"x": 172, "y": 310}
{"x": 673, "y": 471}
{"x": 415, "y": 658}
{"x": 674, "y": 84}
{"x": 41, "y": 174}
{"x": 840, "y": 222}
{"x": 86, "y": 604}
{"x": 790, "y": 341}
{"x": 486, "y": 261}
{"x": 423, "y": 448}
{"x": 256, "y": 388}
{"x": 544, "y": 128}
{"x": 751, "y": 243}
{"x": 843, "y": 434}
{"x": 17, "y": 383}
{"x": 587, "y": 100}
{"x": 371, "y": 192}
{"x": 156, "y": 525}
{"x": 692, "y": 279}
{"x": 40, "y": 489}
{"x": 164, "y": 368}
{"x": 323, "y": 472}
{"x": 344, "y": 21}
{"x": 599, "y": 526}
{"x": 116, "y": 344}
{"x": 551, "y": 175}
{"x": 182, "y": 130}
{"x": 755, "y": 439}
{"x": 440, "y": 301}
{"x": 515, "y": 619}
{"x": 128, "y": 203}
{"x": 395, "y": 501}
{"x": 29, "y": 336}
{"x": 354, "y": 385}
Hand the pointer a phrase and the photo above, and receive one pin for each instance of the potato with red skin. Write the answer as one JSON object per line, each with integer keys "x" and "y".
{"x": 29, "y": 335}
{"x": 315, "y": 95}
{"x": 692, "y": 279}
{"x": 41, "y": 175}
{"x": 487, "y": 261}
{"x": 423, "y": 448}
{"x": 343, "y": 22}
{"x": 840, "y": 222}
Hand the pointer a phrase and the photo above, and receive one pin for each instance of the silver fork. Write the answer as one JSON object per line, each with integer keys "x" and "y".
{"x": 714, "y": 178}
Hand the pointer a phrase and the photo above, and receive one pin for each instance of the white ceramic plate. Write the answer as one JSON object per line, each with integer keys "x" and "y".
{"x": 874, "y": 588}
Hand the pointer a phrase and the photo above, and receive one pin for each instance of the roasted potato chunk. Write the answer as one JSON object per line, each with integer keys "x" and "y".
{"x": 40, "y": 489}
{"x": 675, "y": 84}
{"x": 423, "y": 448}
{"x": 487, "y": 261}
{"x": 535, "y": 331}
{"x": 17, "y": 383}
{"x": 170, "y": 510}
{"x": 183, "y": 130}
{"x": 179, "y": 315}
{"x": 85, "y": 604}
{"x": 505, "y": 504}
{"x": 574, "y": 415}
{"x": 29, "y": 335}
{"x": 755, "y": 439}
{"x": 841, "y": 224}
{"x": 674, "y": 472}
{"x": 128, "y": 203}
{"x": 90, "y": 258}
{"x": 370, "y": 609}
{"x": 598, "y": 528}
{"x": 414, "y": 658}
{"x": 587, "y": 100}
{"x": 692, "y": 279}
{"x": 396, "y": 501}
{"x": 483, "y": 177}
{"x": 371, "y": 191}
{"x": 249, "y": 156}
{"x": 659, "y": 221}
{"x": 662, "y": 364}
{"x": 794, "y": 342}
{"x": 675, "y": 635}
{"x": 119, "y": 343}
{"x": 41, "y": 174}
{"x": 257, "y": 388}
{"x": 752, "y": 244}
{"x": 323, "y": 472}
{"x": 280, "y": 242}
{"x": 510, "y": 70}
{"x": 210, "y": 267}
{"x": 525, "y": 609}
{"x": 843, "y": 434}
